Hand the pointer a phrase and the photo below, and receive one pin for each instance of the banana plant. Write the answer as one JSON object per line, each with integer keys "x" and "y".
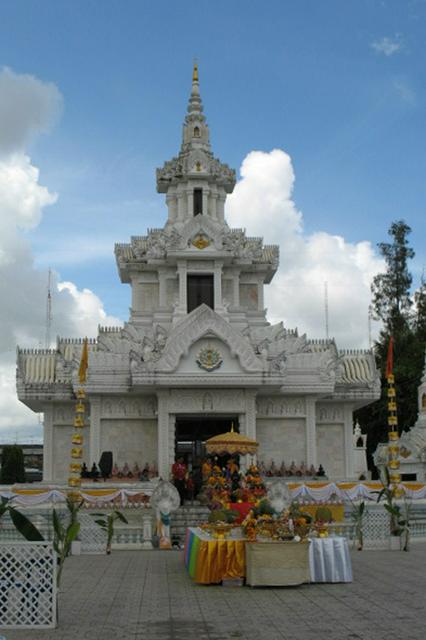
{"x": 63, "y": 536}
{"x": 399, "y": 520}
{"x": 107, "y": 524}
{"x": 357, "y": 517}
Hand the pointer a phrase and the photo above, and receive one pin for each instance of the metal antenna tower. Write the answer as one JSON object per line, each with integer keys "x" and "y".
{"x": 370, "y": 317}
{"x": 326, "y": 309}
{"x": 48, "y": 311}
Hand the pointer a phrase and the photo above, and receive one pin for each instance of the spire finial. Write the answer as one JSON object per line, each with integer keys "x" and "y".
{"x": 195, "y": 71}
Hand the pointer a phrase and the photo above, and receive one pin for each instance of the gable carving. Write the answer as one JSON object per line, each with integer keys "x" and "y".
{"x": 204, "y": 321}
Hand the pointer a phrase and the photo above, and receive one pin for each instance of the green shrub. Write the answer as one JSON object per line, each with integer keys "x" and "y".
{"x": 12, "y": 465}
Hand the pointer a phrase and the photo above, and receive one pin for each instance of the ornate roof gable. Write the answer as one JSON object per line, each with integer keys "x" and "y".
{"x": 201, "y": 322}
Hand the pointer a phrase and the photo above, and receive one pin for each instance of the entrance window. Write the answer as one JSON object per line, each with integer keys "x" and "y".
{"x": 198, "y": 201}
{"x": 200, "y": 290}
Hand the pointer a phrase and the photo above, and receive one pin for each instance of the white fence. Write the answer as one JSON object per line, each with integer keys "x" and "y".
{"x": 27, "y": 585}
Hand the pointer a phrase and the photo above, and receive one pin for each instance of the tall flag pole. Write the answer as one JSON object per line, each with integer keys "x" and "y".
{"x": 393, "y": 434}
{"x": 74, "y": 479}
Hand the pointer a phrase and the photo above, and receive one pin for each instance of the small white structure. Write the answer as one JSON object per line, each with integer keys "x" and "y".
{"x": 413, "y": 442}
{"x": 360, "y": 453}
{"x": 198, "y": 353}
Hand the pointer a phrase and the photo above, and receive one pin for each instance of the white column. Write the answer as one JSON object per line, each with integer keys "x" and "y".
{"x": 310, "y": 433}
{"x": 162, "y": 287}
{"x": 250, "y": 413}
{"x": 190, "y": 201}
{"x": 250, "y": 418}
{"x": 218, "y": 305}
{"x": 172, "y": 438}
{"x": 48, "y": 444}
{"x": 94, "y": 431}
{"x": 221, "y": 207}
{"x": 181, "y": 203}
{"x": 205, "y": 201}
{"x": 163, "y": 435}
{"x": 236, "y": 282}
{"x": 348, "y": 440}
{"x": 242, "y": 429}
{"x": 213, "y": 204}
{"x": 171, "y": 205}
{"x": 260, "y": 297}
{"x": 182, "y": 274}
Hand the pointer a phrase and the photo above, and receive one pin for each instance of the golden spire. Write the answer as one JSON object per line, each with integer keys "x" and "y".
{"x": 195, "y": 72}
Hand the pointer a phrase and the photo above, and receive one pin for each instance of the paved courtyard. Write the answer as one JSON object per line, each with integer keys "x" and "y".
{"x": 146, "y": 595}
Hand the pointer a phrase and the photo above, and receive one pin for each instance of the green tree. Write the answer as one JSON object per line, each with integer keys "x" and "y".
{"x": 391, "y": 289}
{"x": 12, "y": 465}
{"x": 392, "y": 302}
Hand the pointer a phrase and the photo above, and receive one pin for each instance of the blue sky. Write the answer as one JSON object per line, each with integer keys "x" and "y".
{"x": 301, "y": 76}
{"x": 339, "y": 86}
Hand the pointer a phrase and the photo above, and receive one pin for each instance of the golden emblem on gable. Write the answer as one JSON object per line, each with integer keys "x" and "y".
{"x": 200, "y": 241}
{"x": 209, "y": 358}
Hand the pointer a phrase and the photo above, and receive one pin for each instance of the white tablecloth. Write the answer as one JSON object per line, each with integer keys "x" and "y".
{"x": 329, "y": 560}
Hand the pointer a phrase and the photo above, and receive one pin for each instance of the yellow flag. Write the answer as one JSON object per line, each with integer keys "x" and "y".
{"x": 84, "y": 362}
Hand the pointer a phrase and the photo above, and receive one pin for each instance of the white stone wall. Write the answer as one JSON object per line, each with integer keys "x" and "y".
{"x": 149, "y": 296}
{"x": 249, "y": 298}
{"x": 281, "y": 439}
{"x": 228, "y": 290}
{"x": 130, "y": 440}
{"x": 331, "y": 449}
{"x": 172, "y": 291}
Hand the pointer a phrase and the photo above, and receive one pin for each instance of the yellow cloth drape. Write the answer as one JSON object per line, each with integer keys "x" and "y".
{"x": 219, "y": 559}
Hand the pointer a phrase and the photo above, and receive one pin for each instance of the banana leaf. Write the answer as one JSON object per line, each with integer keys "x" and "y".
{"x": 25, "y": 526}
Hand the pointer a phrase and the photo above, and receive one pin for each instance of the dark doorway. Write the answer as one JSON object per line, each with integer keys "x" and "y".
{"x": 199, "y": 291}
{"x": 193, "y": 431}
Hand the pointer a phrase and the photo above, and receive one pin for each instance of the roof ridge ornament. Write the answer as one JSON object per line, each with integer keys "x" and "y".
{"x": 195, "y": 71}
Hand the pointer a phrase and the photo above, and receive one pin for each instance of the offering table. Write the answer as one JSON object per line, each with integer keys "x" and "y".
{"x": 209, "y": 560}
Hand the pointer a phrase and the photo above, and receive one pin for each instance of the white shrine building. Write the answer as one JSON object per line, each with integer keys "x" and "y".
{"x": 198, "y": 352}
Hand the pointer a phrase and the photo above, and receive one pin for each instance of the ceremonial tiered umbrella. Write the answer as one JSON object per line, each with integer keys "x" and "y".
{"x": 231, "y": 443}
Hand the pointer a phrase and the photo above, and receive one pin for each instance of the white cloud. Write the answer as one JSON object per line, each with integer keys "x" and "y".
{"x": 262, "y": 202}
{"x": 387, "y": 46}
{"x": 405, "y": 92}
{"x": 88, "y": 310}
{"x": 22, "y": 198}
{"x": 27, "y": 106}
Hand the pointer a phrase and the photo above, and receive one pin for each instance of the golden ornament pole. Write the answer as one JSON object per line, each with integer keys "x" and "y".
{"x": 74, "y": 479}
{"x": 393, "y": 434}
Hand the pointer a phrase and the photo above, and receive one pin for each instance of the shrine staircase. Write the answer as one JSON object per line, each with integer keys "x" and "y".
{"x": 188, "y": 515}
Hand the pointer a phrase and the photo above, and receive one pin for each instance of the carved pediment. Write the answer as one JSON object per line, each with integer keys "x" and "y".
{"x": 202, "y": 322}
{"x": 204, "y": 228}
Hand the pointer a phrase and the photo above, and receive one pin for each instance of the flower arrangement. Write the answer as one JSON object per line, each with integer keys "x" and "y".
{"x": 263, "y": 522}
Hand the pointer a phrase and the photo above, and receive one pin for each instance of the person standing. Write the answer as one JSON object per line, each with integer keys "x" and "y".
{"x": 179, "y": 470}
